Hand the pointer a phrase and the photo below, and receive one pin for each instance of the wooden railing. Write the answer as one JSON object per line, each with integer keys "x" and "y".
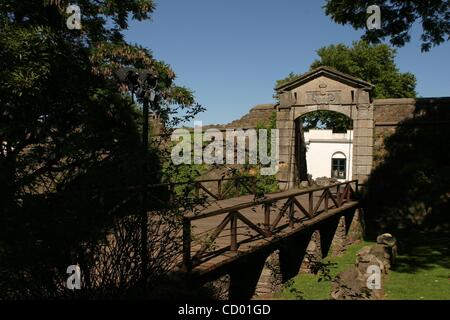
{"x": 248, "y": 183}
{"x": 333, "y": 196}
{"x": 222, "y": 190}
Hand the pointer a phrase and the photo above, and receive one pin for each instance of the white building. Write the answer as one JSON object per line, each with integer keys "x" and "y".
{"x": 329, "y": 154}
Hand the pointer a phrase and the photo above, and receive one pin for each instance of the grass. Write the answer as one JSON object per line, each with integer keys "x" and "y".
{"x": 422, "y": 271}
{"x": 308, "y": 286}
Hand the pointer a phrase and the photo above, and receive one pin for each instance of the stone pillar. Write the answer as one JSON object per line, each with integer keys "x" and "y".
{"x": 220, "y": 288}
{"x": 270, "y": 280}
{"x": 363, "y": 138}
{"x": 313, "y": 254}
{"x": 356, "y": 229}
{"x": 285, "y": 127}
{"x": 339, "y": 239}
{"x": 292, "y": 254}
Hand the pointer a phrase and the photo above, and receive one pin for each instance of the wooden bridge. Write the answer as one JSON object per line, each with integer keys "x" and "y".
{"x": 225, "y": 237}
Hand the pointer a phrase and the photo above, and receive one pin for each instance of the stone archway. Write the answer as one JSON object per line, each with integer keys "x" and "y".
{"x": 314, "y": 149}
{"x": 325, "y": 89}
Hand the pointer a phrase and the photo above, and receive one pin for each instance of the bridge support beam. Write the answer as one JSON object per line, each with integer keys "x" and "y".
{"x": 327, "y": 231}
{"x": 355, "y": 225}
{"x": 270, "y": 280}
{"x": 330, "y": 237}
{"x": 313, "y": 253}
{"x": 220, "y": 288}
{"x": 340, "y": 238}
{"x": 292, "y": 254}
{"x": 245, "y": 276}
{"x": 263, "y": 272}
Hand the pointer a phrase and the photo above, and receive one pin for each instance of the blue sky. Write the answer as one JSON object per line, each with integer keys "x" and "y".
{"x": 230, "y": 53}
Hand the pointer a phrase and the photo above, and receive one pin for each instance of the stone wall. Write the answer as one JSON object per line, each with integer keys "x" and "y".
{"x": 390, "y": 113}
{"x": 259, "y": 114}
{"x": 370, "y": 134}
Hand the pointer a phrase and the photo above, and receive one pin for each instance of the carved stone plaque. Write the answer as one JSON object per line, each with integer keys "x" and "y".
{"x": 323, "y": 96}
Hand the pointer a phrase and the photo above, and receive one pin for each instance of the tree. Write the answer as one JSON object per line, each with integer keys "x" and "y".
{"x": 372, "y": 63}
{"x": 397, "y": 18}
{"x": 70, "y": 150}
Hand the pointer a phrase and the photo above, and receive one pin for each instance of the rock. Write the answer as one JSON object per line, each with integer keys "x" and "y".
{"x": 390, "y": 242}
{"x": 350, "y": 285}
{"x": 387, "y": 238}
{"x": 364, "y": 251}
{"x": 219, "y": 288}
{"x": 325, "y": 181}
{"x": 383, "y": 253}
{"x": 304, "y": 184}
{"x": 322, "y": 182}
{"x": 365, "y": 261}
{"x": 354, "y": 283}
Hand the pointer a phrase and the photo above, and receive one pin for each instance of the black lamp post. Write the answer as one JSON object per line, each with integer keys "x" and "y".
{"x": 142, "y": 83}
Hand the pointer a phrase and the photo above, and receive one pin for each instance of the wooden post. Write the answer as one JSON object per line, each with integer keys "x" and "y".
{"x": 311, "y": 203}
{"x": 233, "y": 229}
{"x": 267, "y": 218}
{"x": 327, "y": 193}
{"x": 186, "y": 244}
{"x": 348, "y": 192}
{"x": 219, "y": 189}
{"x": 338, "y": 195}
{"x": 291, "y": 213}
{"x": 197, "y": 190}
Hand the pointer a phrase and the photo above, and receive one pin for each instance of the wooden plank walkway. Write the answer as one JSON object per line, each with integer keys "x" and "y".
{"x": 248, "y": 239}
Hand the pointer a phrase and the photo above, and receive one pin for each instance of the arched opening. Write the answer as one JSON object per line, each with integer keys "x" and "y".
{"x": 323, "y": 146}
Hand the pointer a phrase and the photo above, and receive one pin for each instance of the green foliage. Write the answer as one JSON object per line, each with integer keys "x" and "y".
{"x": 324, "y": 119}
{"x": 318, "y": 286}
{"x": 290, "y": 77}
{"x": 183, "y": 176}
{"x": 397, "y": 18}
{"x": 292, "y": 291}
{"x": 372, "y": 63}
{"x": 70, "y": 149}
{"x": 264, "y": 184}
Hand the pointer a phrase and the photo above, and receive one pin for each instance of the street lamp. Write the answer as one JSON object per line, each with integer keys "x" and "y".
{"x": 143, "y": 83}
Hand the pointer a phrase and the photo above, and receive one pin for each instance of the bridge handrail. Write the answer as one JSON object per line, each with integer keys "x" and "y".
{"x": 266, "y": 201}
{"x": 168, "y": 184}
{"x": 339, "y": 199}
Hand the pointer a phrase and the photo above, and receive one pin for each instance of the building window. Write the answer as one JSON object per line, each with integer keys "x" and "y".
{"x": 338, "y": 168}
